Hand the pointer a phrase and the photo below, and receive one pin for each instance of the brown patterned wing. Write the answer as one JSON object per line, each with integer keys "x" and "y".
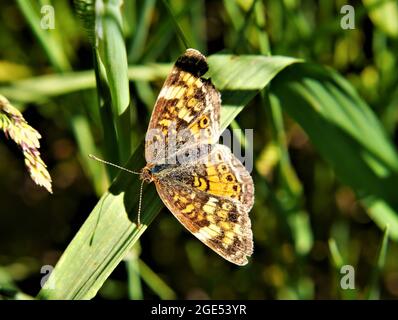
{"x": 220, "y": 223}
{"x": 186, "y": 104}
{"x": 212, "y": 199}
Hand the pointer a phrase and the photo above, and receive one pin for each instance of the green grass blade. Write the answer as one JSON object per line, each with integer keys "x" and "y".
{"x": 384, "y": 15}
{"x": 112, "y": 55}
{"x": 291, "y": 189}
{"x": 335, "y": 254}
{"x": 110, "y": 230}
{"x": 234, "y": 14}
{"x": 338, "y": 262}
{"x": 41, "y": 88}
{"x": 374, "y": 290}
{"x": 85, "y": 142}
{"x": 347, "y": 134}
{"x": 134, "y": 279}
{"x": 198, "y": 29}
{"x": 133, "y": 273}
{"x": 177, "y": 27}
{"x": 140, "y": 36}
{"x": 257, "y": 70}
{"x": 52, "y": 48}
{"x": 162, "y": 36}
{"x": 8, "y": 289}
{"x": 155, "y": 282}
{"x": 240, "y": 38}
{"x": 262, "y": 36}
{"x": 105, "y": 238}
{"x": 50, "y": 41}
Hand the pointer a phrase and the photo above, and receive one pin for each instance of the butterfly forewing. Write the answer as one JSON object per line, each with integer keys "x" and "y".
{"x": 186, "y": 110}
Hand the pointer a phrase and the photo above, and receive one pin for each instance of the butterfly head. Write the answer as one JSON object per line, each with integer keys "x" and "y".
{"x": 146, "y": 174}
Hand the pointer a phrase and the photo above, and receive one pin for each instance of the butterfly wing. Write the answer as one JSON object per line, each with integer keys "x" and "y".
{"x": 212, "y": 199}
{"x": 187, "y": 106}
{"x": 211, "y": 195}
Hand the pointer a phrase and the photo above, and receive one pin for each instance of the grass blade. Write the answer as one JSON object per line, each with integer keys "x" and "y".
{"x": 52, "y": 48}
{"x": 374, "y": 290}
{"x": 347, "y": 134}
{"x": 42, "y": 88}
{"x": 140, "y": 37}
{"x": 133, "y": 273}
{"x": 335, "y": 254}
{"x": 111, "y": 54}
{"x": 155, "y": 282}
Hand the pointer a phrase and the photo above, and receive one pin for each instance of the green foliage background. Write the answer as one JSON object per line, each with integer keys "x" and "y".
{"x": 323, "y": 105}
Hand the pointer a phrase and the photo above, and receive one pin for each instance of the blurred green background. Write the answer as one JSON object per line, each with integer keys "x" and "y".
{"x": 307, "y": 222}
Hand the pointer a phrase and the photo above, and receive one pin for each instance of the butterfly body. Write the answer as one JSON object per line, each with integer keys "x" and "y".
{"x": 201, "y": 182}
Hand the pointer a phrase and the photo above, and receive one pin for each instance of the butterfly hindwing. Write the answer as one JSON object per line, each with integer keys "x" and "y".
{"x": 212, "y": 197}
{"x": 221, "y": 223}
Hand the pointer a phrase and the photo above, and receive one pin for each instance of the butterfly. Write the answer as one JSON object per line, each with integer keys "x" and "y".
{"x": 201, "y": 182}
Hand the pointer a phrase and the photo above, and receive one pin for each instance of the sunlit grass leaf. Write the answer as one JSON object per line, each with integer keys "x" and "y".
{"x": 242, "y": 79}
{"x": 133, "y": 273}
{"x": 110, "y": 230}
{"x": 42, "y": 88}
{"x": 347, "y": 134}
{"x": 384, "y": 14}
{"x": 111, "y": 66}
{"x": 8, "y": 288}
{"x": 374, "y": 289}
{"x": 335, "y": 254}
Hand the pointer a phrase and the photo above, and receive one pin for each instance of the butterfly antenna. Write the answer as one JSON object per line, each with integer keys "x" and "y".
{"x": 139, "y": 205}
{"x": 130, "y": 171}
{"x": 112, "y": 164}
